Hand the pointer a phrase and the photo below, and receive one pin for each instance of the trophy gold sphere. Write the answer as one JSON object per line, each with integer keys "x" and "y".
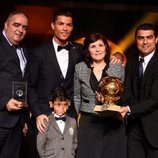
{"x": 111, "y": 88}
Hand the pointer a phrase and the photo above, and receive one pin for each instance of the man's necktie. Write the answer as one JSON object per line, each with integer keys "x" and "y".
{"x": 139, "y": 77}
{"x": 67, "y": 47}
{"x": 61, "y": 118}
{"x": 140, "y": 69}
{"x": 21, "y": 57}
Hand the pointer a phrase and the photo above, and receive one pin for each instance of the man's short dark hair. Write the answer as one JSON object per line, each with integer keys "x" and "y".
{"x": 146, "y": 26}
{"x": 61, "y": 12}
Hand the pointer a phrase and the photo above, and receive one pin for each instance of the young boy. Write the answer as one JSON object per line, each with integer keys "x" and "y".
{"x": 60, "y": 138}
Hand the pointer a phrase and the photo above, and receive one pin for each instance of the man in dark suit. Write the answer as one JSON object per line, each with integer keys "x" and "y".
{"x": 52, "y": 65}
{"x": 12, "y": 69}
{"x": 141, "y": 95}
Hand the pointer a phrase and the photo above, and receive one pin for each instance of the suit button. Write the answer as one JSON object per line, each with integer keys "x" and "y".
{"x": 62, "y": 138}
{"x": 62, "y": 148}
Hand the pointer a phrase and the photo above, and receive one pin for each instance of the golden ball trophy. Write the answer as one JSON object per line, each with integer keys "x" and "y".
{"x": 111, "y": 88}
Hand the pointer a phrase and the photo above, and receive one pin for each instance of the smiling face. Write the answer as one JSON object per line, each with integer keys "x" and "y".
{"x": 62, "y": 27}
{"x": 15, "y": 28}
{"x": 97, "y": 50}
{"x": 146, "y": 42}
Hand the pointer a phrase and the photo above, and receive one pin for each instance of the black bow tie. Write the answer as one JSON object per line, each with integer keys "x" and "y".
{"x": 67, "y": 47}
{"x": 60, "y": 118}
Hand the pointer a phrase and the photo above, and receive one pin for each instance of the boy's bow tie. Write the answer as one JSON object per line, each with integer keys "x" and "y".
{"x": 60, "y": 118}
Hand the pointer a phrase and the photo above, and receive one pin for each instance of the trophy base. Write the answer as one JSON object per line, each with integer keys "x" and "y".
{"x": 22, "y": 105}
{"x": 109, "y": 111}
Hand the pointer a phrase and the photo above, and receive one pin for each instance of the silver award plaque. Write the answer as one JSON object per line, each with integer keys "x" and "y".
{"x": 19, "y": 92}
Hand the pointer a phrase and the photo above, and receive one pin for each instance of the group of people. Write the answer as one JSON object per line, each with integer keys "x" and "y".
{"x": 62, "y": 79}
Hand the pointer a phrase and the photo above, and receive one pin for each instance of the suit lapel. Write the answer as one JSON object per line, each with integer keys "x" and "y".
{"x": 55, "y": 66}
{"x": 10, "y": 50}
{"x": 67, "y": 125}
{"x": 133, "y": 72}
{"x": 54, "y": 124}
{"x": 87, "y": 76}
{"x": 72, "y": 61}
{"x": 70, "y": 66}
{"x": 135, "y": 75}
{"x": 149, "y": 67}
{"x": 13, "y": 52}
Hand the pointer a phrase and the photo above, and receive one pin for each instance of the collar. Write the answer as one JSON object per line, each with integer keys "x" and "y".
{"x": 148, "y": 57}
{"x": 55, "y": 115}
{"x": 56, "y": 45}
{"x": 3, "y": 32}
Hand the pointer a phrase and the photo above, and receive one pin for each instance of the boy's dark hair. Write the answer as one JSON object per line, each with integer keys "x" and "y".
{"x": 60, "y": 93}
{"x": 61, "y": 12}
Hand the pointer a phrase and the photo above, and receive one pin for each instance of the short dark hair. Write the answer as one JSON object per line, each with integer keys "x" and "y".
{"x": 93, "y": 37}
{"x": 61, "y": 12}
{"x": 60, "y": 93}
{"x": 146, "y": 26}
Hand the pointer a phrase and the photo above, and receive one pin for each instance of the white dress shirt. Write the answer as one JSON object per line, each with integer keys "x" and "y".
{"x": 62, "y": 58}
{"x": 146, "y": 60}
{"x": 60, "y": 123}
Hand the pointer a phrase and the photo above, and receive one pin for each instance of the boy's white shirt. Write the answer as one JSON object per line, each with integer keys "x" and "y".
{"x": 60, "y": 123}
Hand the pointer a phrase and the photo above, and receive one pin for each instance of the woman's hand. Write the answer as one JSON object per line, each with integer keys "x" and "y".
{"x": 100, "y": 97}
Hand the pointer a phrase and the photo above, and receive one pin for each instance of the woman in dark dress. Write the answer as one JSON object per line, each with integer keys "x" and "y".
{"x": 98, "y": 137}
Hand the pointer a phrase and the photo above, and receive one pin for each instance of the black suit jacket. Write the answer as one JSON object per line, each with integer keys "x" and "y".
{"x": 45, "y": 75}
{"x": 9, "y": 72}
{"x": 147, "y": 108}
